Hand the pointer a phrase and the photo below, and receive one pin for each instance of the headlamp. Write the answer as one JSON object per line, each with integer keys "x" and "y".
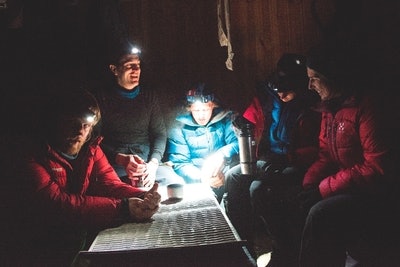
{"x": 90, "y": 118}
{"x": 199, "y": 98}
{"x": 135, "y": 50}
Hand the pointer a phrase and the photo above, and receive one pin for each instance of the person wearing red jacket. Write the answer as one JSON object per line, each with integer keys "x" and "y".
{"x": 348, "y": 192}
{"x": 68, "y": 190}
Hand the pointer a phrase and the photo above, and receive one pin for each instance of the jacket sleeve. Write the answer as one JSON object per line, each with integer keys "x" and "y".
{"x": 306, "y": 142}
{"x": 101, "y": 205}
{"x": 179, "y": 154}
{"x": 232, "y": 145}
{"x": 158, "y": 131}
{"x": 254, "y": 113}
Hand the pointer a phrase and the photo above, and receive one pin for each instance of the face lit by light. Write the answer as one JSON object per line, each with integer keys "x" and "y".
{"x": 202, "y": 112}
{"x": 128, "y": 72}
{"x": 319, "y": 84}
{"x": 73, "y": 133}
{"x": 287, "y": 96}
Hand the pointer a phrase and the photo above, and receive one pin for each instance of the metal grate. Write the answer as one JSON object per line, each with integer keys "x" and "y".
{"x": 195, "y": 222}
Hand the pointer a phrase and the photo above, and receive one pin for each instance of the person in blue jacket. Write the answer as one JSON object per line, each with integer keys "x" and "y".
{"x": 202, "y": 144}
{"x": 286, "y": 133}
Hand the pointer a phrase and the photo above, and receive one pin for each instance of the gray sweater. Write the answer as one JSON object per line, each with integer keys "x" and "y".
{"x": 132, "y": 122}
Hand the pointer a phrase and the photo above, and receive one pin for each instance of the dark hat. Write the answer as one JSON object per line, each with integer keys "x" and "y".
{"x": 122, "y": 49}
{"x": 76, "y": 103}
{"x": 291, "y": 73}
{"x": 324, "y": 61}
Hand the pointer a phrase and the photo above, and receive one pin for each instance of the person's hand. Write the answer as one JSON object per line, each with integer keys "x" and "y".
{"x": 135, "y": 166}
{"x": 144, "y": 209}
{"x": 212, "y": 165}
{"x": 309, "y": 197}
{"x": 149, "y": 177}
{"x": 217, "y": 181}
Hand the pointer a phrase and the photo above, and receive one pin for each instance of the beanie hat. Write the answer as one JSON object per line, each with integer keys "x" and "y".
{"x": 291, "y": 73}
{"x": 323, "y": 61}
{"x": 122, "y": 49}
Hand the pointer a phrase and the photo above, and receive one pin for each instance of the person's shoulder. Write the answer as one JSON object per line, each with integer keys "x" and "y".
{"x": 149, "y": 93}
{"x": 184, "y": 119}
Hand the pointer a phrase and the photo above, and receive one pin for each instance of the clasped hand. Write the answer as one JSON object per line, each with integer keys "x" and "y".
{"x": 136, "y": 168}
{"x": 143, "y": 209}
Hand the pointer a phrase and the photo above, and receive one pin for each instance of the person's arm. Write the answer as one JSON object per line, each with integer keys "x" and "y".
{"x": 323, "y": 166}
{"x": 305, "y": 143}
{"x": 179, "y": 154}
{"x": 255, "y": 115}
{"x": 95, "y": 201}
{"x": 157, "y": 131}
{"x": 144, "y": 209}
{"x": 230, "y": 139}
{"x": 362, "y": 148}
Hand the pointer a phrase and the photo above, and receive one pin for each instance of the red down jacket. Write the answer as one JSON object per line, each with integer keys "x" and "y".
{"x": 353, "y": 155}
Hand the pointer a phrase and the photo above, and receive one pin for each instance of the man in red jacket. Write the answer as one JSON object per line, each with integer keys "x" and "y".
{"x": 67, "y": 189}
{"x": 349, "y": 192}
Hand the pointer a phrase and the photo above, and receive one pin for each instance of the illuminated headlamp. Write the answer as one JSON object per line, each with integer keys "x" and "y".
{"x": 90, "y": 118}
{"x": 199, "y": 93}
{"x": 135, "y": 50}
{"x": 200, "y": 98}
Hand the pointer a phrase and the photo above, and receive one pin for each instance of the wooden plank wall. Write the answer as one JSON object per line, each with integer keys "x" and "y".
{"x": 180, "y": 41}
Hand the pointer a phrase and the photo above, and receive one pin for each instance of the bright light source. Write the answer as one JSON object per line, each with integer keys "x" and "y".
{"x": 135, "y": 50}
{"x": 90, "y": 118}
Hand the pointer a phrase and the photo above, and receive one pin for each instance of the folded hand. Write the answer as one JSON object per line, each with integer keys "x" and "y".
{"x": 143, "y": 209}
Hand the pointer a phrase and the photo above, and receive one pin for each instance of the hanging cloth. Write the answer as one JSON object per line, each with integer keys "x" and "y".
{"x": 225, "y": 37}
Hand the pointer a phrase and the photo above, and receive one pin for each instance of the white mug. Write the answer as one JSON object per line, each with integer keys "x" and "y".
{"x": 175, "y": 191}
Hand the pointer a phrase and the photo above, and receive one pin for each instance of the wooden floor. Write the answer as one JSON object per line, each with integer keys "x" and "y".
{"x": 262, "y": 246}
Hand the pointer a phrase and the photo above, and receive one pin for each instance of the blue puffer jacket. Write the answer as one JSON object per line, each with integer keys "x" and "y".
{"x": 189, "y": 144}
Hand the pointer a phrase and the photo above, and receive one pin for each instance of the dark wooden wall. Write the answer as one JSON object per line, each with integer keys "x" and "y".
{"x": 180, "y": 43}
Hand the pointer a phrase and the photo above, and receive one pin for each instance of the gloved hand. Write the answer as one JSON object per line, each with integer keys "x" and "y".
{"x": 309, "y": 197}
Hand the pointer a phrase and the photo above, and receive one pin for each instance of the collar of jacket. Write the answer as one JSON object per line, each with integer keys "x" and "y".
{"x": 335, "y": 104}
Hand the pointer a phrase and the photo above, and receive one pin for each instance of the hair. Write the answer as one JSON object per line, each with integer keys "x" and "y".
{"x": 340, "y": 67}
